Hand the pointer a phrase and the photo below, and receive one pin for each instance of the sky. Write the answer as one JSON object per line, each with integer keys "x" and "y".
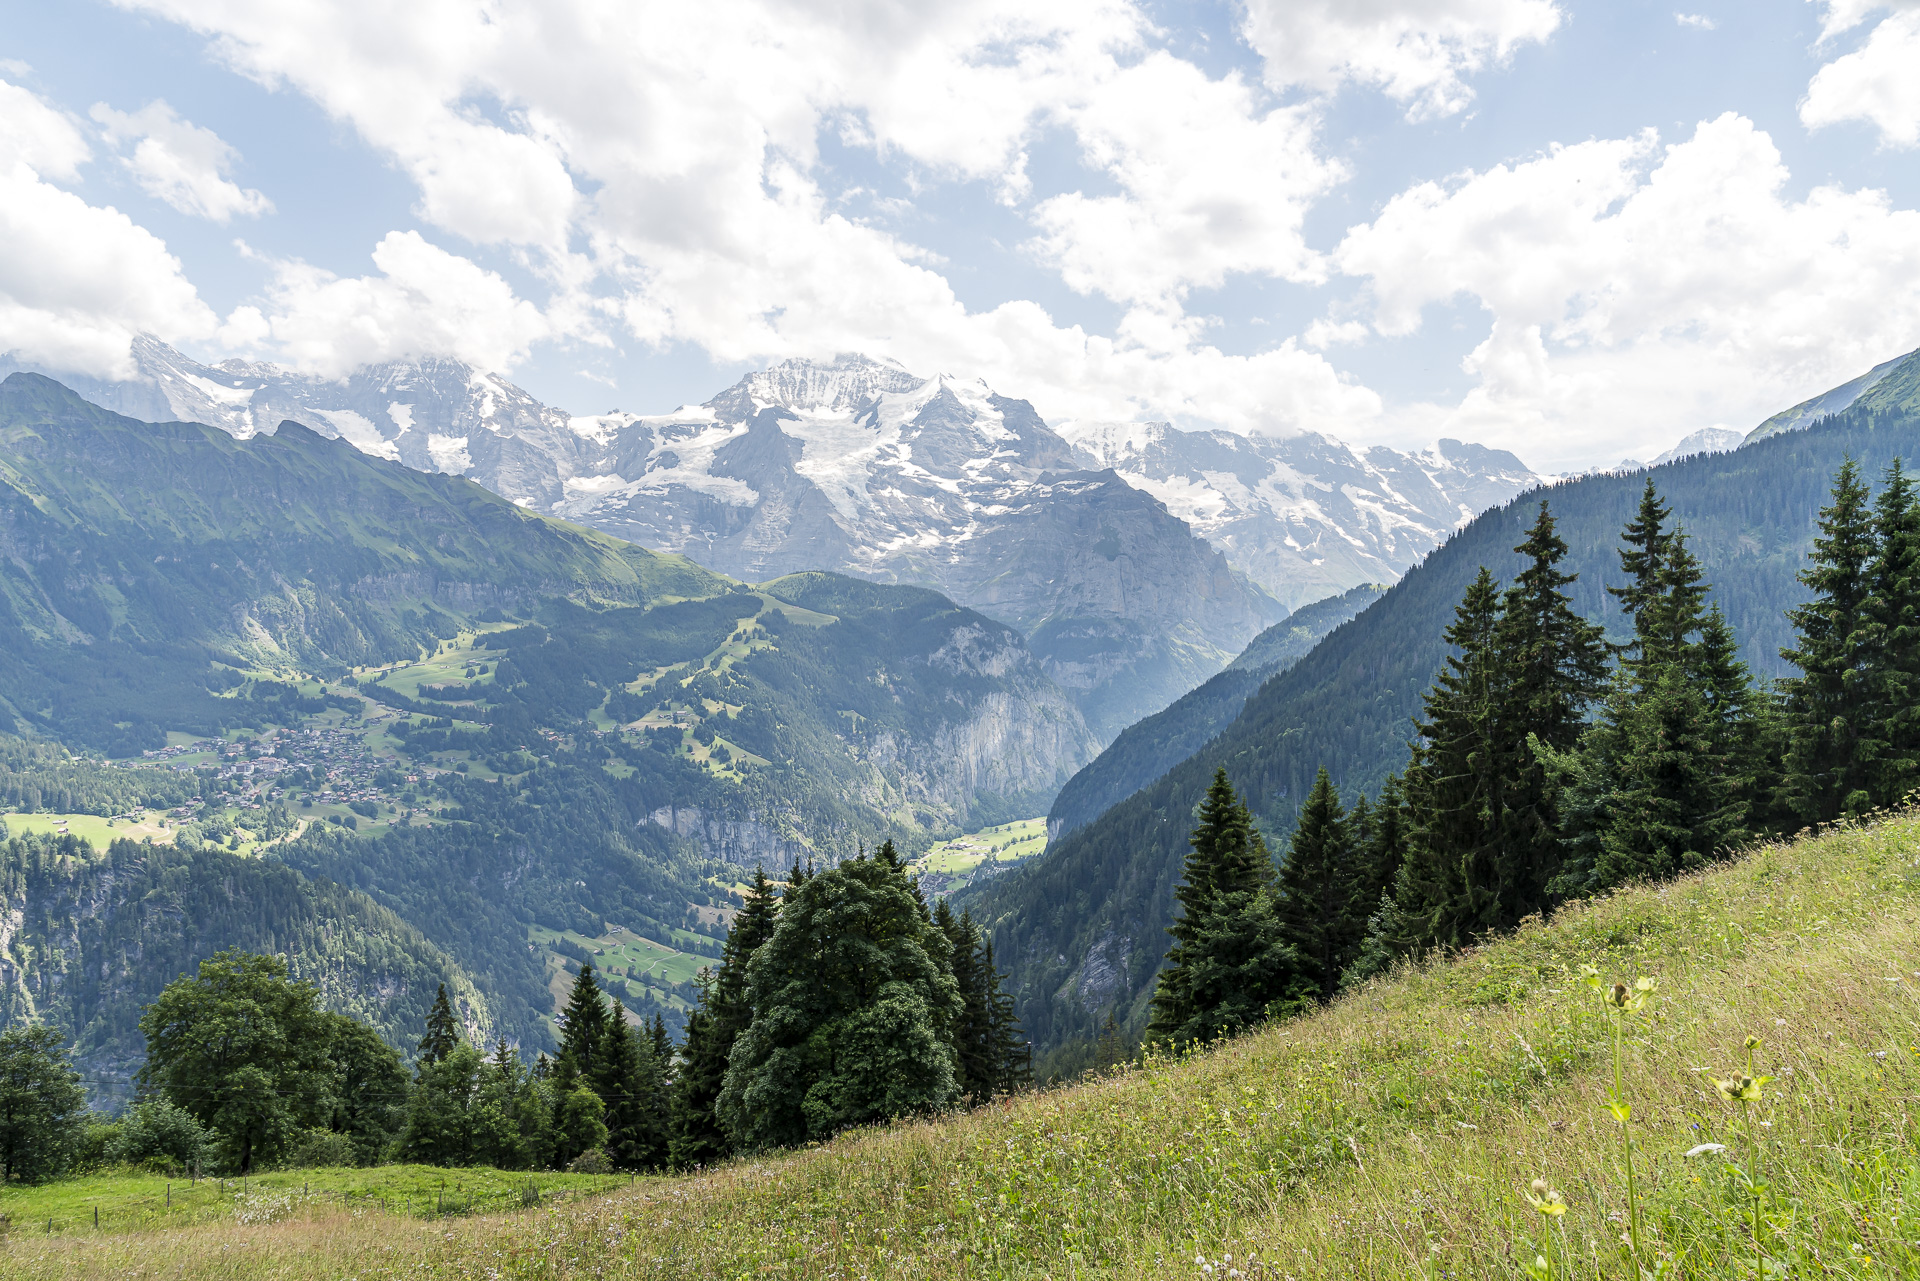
{"x": 1577, "y": 229}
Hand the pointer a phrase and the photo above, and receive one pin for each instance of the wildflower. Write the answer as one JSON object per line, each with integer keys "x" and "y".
{"x": 1546, "y": 1199}
{"x": 1704, "y": 1148}
{"x": 1741, "y": 1089}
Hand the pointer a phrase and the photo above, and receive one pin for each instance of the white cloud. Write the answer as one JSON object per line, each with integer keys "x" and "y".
{"x": 179, "y": 162}
{"x": 425, "y": 301}
{"x": 1698, "y": 21}
{"x": 1416, "y": 51}
{"x": 1637, "y": 291}
{"x": 1182, "y": 149}
{"x": 34, "y": 134}
{"x": 76, "y": 281}
{"x": 681, "y": 198}
{"x": 1839, "y": 16}
{"x": 1879, "y": 83}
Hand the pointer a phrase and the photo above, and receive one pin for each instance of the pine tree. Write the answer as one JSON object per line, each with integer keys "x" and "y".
{"x": 1829, "y": 703}
{"x": 1318, "y": 906}
{"x": 1892, "y": 751}
{"x": 1012, "y": 1053}
{"x": 1642, "y": 559}
{"x": 973, "y": 1029}
{"x": 443, "y": 1031}
{"x": 1384, "y": 846}
{"x": 724, "y": 1011}
{"x": 583, "y": 1023}
{"x": 1453, "y": 785}
{"x": 1555, "y": 665}
{"x": 1230, "y": 965}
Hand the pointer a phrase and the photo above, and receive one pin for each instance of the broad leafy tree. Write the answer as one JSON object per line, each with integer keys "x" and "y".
{"x": 245, "y": 1051}
{"x": 42, "y": 1107}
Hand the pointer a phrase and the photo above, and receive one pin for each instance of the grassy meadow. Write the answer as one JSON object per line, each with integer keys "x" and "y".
{"x": 1393, "y": 1135}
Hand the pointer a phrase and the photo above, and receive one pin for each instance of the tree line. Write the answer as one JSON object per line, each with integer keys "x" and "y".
{"x": 1551, "y": 764}
{"x": 841, "y": 999}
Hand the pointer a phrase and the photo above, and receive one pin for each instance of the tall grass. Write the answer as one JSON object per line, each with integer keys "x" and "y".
{"x": 1397, "y": 1134}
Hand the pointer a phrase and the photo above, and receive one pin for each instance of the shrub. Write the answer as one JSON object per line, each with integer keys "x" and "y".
{"x": 592, "y": 1161}
{"x": 317, "y": 1147}
{"x": 161, "y": 1137}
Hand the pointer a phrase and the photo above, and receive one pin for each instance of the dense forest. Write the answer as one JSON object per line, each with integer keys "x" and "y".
{"x": 1083, "y": 930}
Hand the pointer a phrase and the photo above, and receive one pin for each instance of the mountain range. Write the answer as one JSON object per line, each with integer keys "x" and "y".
{"x": 1137, "y": 559}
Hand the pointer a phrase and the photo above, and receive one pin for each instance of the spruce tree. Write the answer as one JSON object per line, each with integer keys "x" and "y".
{"x": 973, "y": 1029}
{"x": 1383, "y": 847}
{"x": 443, "y": 1031}
{"x": 1554, "y": 665}
{"x": 1318, "y": 899}
{"x": 1231, "y": 964}
{"x": 1642, "y": 558}
{"x": 723, "y": 1012}
{"x": 1011, "y": 1053}
{"x": 1830, "y": 701}
{"x": 583, "y": 1023}
{"x": 627, "y": 1078}
{"x": 1454, "y": 786}
{"x": 1893, "y": 612}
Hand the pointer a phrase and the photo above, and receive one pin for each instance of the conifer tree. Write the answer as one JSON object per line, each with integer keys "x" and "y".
{"x": 1892, "y": 751}
{"x": 1830, "y": 701}
{"x": 1012, "y": 1053}
{"x": 443, "y": 1031}
{"x": 583, "y": 1022}
{"x": 722, "y": 1014}
{"x": 1384, "y": 846}
{"x": 627, "y": 1078}
{"x": 1642, "y": 559}
{"x": 1230, "y": 965}
{"x": 1554, "y": 665}
{"x": 1318, "y": 899}
{"x": 1454, "y": 787}
{"x": 973, "y": 1029}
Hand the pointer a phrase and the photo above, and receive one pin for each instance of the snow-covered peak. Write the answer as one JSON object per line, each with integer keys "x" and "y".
{"x": 1708, "y": 440}
{"x": 1111, "y": 444}
{"x": 840, "y": 386}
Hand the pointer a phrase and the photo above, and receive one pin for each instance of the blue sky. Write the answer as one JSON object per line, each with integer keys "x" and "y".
{"x": 1578, "y": 230}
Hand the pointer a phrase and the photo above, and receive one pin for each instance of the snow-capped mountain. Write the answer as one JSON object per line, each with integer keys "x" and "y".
{"x": 1085, "y": 540}
{"x": 1708, "y": 440}
{"x": 860, "y": 466}
{"x": 1307, "y": 516}
{"x": 432, "y": 414}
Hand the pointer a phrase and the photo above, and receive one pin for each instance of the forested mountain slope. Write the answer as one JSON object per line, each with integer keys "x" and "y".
{"x": 94, "y": 935}
{"x": 132, "y": 555}
{"x": 1083, "y": 927}
{"x": 1149, "y": 748}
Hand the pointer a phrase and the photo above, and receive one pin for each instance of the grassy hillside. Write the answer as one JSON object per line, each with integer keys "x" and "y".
{"x": 1083, "y": 928}
{"x": 1393, "y": 1135}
